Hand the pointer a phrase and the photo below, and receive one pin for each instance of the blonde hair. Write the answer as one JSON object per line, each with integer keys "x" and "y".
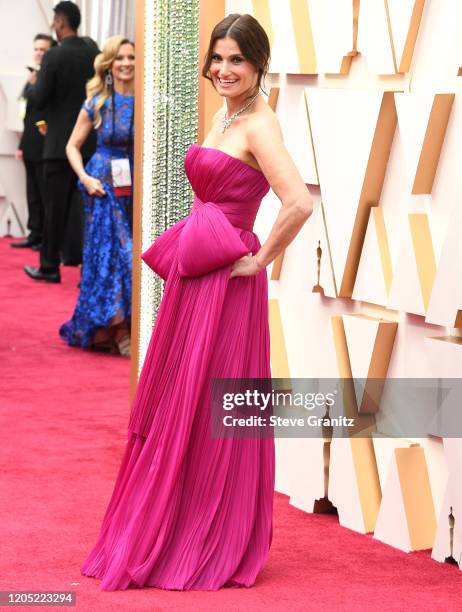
{"x": 97, "y": 86}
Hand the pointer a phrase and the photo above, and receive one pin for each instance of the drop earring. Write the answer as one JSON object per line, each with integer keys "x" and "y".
{"x": 108, "y": 79}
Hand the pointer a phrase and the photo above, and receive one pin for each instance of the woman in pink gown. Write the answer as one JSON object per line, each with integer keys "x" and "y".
{"x": 189, "y": 510}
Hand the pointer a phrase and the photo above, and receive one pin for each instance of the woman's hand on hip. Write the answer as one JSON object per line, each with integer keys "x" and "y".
{"x": 246, "y": 266}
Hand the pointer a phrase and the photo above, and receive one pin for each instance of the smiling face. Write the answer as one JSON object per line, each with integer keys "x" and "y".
{"x": 123, "y": 66}
{"x": 41, "y": 46}
{"x": 232, "y": 74}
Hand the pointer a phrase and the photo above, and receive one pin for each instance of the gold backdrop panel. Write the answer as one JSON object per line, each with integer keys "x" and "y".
{"x": 370, "y": 344}
{"x": 424, "y": 256}
{"x": 279, "y": 361}
{"x": 446, "y": 296}
{"x": 407, "y": 514}
{"x": 404, "y": 17}
{"x": 423, "y": 119}
{"x": 350, "y": 184}
{"x": 375, "y": 273}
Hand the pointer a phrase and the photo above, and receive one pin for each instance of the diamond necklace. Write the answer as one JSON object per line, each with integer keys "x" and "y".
{"x": 226, "y": 122}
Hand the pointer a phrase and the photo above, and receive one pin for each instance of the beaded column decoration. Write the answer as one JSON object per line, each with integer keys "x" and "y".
{"x": 170, "y": 126}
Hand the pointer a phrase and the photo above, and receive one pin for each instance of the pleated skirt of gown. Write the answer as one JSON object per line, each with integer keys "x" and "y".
{"x": 190, "y": 511}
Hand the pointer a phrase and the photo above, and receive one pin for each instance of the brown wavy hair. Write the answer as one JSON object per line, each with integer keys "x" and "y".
{"x": 103, "y": 63}
{"x": 251, "y": 38}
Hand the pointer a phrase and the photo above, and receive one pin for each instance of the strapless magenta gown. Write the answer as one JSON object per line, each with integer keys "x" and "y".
{"x": 190, "y": 511}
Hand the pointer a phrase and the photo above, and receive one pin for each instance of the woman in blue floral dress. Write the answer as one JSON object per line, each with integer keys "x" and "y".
{"x": 101, "y": 319}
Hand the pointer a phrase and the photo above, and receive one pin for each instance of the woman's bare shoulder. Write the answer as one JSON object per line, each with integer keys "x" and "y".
{"x": 218, "y": 115}
{"x": 263, "y": 118}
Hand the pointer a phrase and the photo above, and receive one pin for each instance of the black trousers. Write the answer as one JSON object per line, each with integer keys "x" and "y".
{"x": 35, "y": 190}
{"x": 64, "y": 219}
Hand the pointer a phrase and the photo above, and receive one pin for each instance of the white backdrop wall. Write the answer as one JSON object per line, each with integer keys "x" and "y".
{"x": 16, "y": 35}
{"x": 422, "y": 300}
{"x": 104, "y": 18}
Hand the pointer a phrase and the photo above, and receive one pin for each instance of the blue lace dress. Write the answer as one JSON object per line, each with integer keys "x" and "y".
{"x": 105, "y": 288}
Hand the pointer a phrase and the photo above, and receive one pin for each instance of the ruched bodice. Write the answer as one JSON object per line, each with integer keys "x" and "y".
{"x": 228, "y": 182}
{"x": 228, "y": 193}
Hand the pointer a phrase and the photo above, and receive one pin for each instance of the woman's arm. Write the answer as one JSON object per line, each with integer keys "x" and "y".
{"x": 265, "y": 142}
{"x": 82, "y": 128}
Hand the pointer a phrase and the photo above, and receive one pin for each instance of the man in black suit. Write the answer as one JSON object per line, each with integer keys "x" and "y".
{"x": 60, "y": 88}
{"x": 30, "y": 151}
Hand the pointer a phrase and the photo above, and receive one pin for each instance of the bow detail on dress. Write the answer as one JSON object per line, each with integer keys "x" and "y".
{"x": 202, "y": 242}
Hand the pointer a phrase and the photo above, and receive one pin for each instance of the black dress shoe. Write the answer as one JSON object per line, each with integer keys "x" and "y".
{"x": 24, "y": 244}
{"x": 37, "y": 274}
{"x": 36, "y": 247}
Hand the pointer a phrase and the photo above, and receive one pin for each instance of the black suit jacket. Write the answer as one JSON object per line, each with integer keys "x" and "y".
{"x": 32, "y": 141}
{"x": 60, "y": 88}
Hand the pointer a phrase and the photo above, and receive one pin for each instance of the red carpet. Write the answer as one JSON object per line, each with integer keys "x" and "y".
{"x": 63, "y": 417}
